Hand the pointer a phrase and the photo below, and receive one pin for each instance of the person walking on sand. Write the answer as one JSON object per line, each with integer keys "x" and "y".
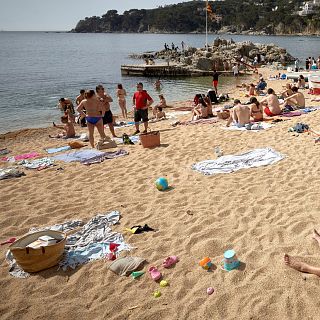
{"x": 121, "y": 94}
{"x": 302, "y": 266}
{"x": 107, "y": 114}
{"x": 94, "y": 109}
{"x": 141, "y": 101}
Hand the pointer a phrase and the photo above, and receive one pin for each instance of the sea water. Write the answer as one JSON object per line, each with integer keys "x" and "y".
{"x": 37, "y": 68}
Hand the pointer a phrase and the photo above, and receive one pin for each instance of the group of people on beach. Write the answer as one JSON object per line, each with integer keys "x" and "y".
{"x": 94, "y": 111}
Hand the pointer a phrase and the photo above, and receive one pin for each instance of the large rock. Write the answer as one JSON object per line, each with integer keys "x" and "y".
{"x": 203, "y": 64}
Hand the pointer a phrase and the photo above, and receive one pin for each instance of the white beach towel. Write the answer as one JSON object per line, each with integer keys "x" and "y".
{"x": 231, "y": 163}
{"x": 79, "y": 155}
{"x": 256, "y": 127}
{"x": 90, "y": 243}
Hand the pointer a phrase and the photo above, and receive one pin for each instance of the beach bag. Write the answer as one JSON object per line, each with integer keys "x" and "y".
{"x": 44, "y": 257}
{"x": 150, "y": 139}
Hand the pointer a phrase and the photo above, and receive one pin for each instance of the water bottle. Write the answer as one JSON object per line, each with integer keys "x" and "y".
{"x": 218, "y": 152}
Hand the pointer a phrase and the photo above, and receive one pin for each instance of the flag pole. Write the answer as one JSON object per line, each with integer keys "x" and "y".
{"x": 206, "y": 24}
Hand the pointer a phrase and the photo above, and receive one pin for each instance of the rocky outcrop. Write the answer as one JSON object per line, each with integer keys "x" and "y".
{"x": 221, "y": 54}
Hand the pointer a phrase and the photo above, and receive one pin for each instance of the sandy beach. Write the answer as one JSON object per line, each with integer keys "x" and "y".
{"x": 261, "y": 213}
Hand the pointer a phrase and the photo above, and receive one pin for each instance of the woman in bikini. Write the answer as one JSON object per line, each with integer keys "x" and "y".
{"x": 93, "y": 115}
{"x": 121, "y": 94}
{"x": 256, "y": 110}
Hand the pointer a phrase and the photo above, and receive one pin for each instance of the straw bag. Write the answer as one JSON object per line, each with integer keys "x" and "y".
{"x": 34, "y": 260}
{"x": 150, "y": 139}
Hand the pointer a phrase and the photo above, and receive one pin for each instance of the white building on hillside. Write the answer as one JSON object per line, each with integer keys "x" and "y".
{"x": 309, "y": 7}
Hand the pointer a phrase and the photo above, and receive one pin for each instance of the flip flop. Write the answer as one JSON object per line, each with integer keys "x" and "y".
{"x": 154, "y": 273}
{"x": 170, "y": 261}
{"x": 10, "y": 240}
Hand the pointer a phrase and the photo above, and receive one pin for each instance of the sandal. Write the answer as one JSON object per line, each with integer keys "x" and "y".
{"x": 154, "y": 273}
{"x": 170, "y": 261}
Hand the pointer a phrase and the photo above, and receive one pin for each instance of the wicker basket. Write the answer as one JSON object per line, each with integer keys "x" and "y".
{"x": 34, "y": 260}
{"x": 150, "y": 139}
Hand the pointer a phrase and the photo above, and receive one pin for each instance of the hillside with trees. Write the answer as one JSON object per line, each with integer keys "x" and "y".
{"x": 233, "y": 16}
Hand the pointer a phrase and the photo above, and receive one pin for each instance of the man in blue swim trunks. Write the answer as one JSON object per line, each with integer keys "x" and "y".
{"x": 107, "y": 114}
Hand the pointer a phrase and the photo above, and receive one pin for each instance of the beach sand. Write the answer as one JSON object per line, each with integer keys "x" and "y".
{"x": 261, "y": 213}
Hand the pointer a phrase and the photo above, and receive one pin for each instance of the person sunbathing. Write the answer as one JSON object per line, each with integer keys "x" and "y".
{"x": 239, "y": 114}
{"x": 162, "y": 103}
{"x": 287, "y": 92}
{"x": 68, "y": 128}
{"x": 296, "y": 99}
{"x": 256, "y": 110}
{"x": 251, "y": 91}
{"x": 302, "y": 266}
{"x": 271, "y": 103}
{"x": 200, "y": 111}
{"x": 301, "y": 82}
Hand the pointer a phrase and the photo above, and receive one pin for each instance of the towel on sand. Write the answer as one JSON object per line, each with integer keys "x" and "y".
{"x": 230, "y": 163}
{"x": 21, "y": 157}
{"x": 59, "y": 149}
{"x": 79, "y": 155}
{"x": 105, "y": 156}
{"x": 256, "y": 127}
{"x": 38, "y": 164}
{"x": 90, "y": 243}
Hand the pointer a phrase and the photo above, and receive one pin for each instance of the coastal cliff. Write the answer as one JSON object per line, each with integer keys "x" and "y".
{"x": 230, "y": 16}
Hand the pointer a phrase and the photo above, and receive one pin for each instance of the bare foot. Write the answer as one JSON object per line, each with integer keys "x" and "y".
{"x": 297, "y": 265}
{"x": 316, "y": 235}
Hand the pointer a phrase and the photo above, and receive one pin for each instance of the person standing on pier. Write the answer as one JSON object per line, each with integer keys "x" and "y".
{"x": 182, "y": 46}
{"x": 141, "y": 102}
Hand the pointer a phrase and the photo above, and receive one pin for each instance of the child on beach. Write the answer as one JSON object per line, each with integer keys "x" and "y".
{"x": 68, "y": 128}
{"x": 251, "y": 91}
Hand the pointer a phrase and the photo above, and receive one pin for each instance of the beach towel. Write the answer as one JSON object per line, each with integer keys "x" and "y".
{"x": 12, "y": 172}
{"x": 91, "y": 242}
{"x": 230, "y": 163}
{"x": 255, "y": 127}
{"x": 292, "y": 114}
{"x": 38, "y": 164}
{"x": 21, "y": 157}
{"x": 59, "y": 149}
{"x": 105, "y": 156}
{"x": 199, "y": 121}
{"x": 79, "y": 155}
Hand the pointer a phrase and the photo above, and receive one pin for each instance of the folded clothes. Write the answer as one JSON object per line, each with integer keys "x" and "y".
{"x": 12, "y": 172}
{"x": 59, "y": 149}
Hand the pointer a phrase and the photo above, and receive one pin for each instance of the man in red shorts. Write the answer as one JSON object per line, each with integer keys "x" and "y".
{"x": 215, "y": 79}
{"x": 271, "y": 103}
{"x": 141, "y": 102}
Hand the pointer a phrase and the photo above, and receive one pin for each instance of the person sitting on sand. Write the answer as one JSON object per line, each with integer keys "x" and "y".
{"x": 271, "y": 102}
{"x": 261, "y": 85}
{"x": 239, "y": 114}
{"x": 68, "y": 128}
{"x": 160, "y": 114}
{"x": 200, "y": 111}
{"x": 302, "y": 266}
{"x": 70, "y": 114}
{"x": 301, "y": 82}
{"x": 251, "y": 91}
{"x": 121, "y": 94}
{"x": 296, "y": 99}
{"x": 209, "y": 105}
{"x": 287, "y": 92}
{"x": 162, "y": 104}
{"x": 256, "y": 110}
{"x": 94, "y": 114}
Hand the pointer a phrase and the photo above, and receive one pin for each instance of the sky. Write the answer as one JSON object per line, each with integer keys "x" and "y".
{"x": 62, "y": 15}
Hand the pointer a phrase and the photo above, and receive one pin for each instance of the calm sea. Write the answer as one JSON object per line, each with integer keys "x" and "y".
{"x": 36, "y": 68}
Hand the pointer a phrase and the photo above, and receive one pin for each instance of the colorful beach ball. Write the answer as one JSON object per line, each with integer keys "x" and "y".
{"x": 162, "y": 184}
